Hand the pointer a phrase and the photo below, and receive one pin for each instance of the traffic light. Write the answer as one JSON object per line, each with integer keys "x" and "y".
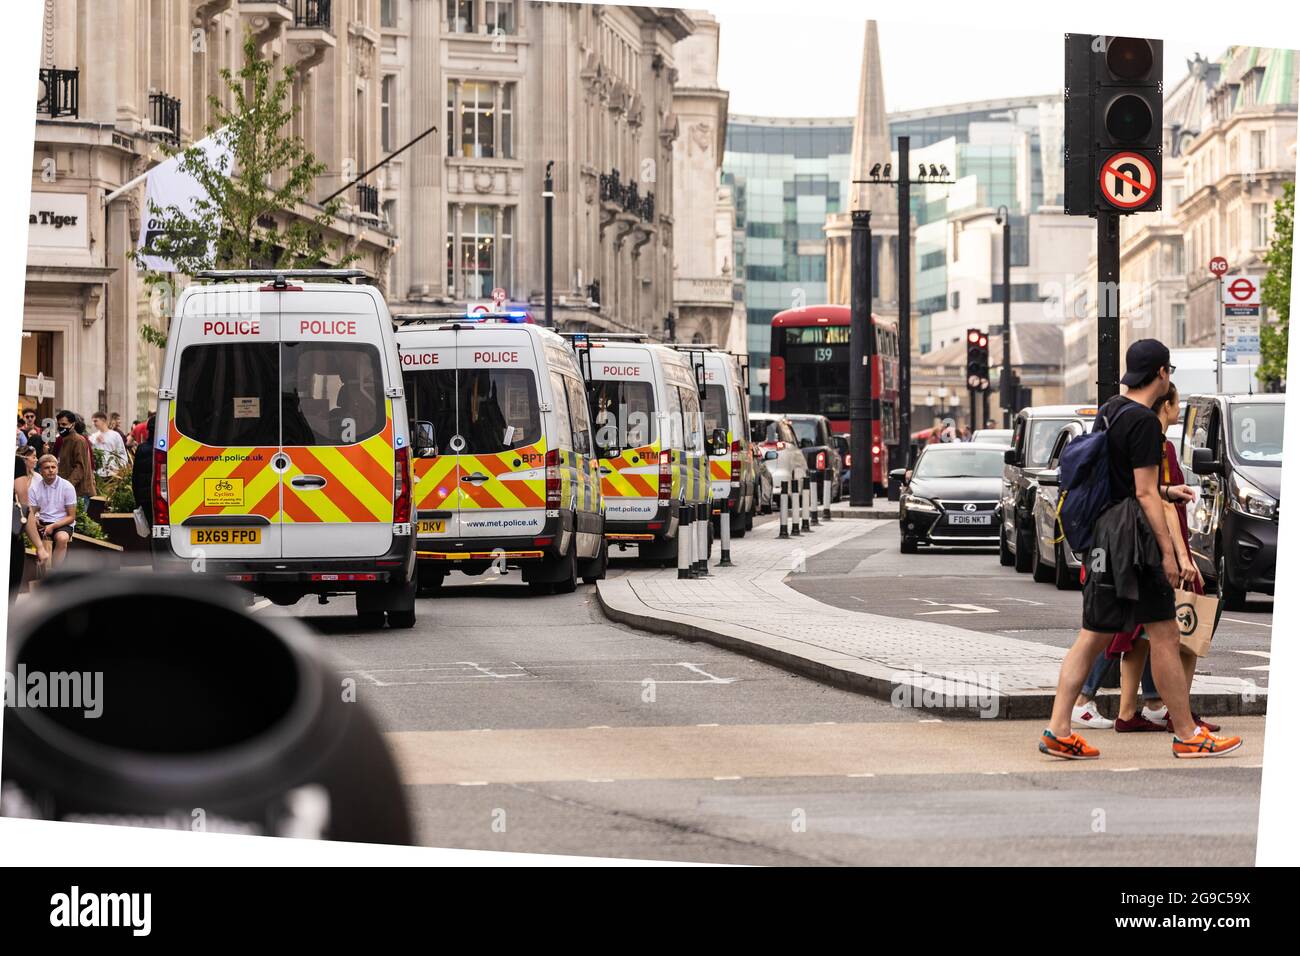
{"x": 977, "y": 360}
{"x": 1114, "y": 121}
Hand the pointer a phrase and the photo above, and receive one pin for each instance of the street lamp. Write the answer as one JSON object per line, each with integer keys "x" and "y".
{"x": 1004, "y": 384}
{"x": 548, "y": 198}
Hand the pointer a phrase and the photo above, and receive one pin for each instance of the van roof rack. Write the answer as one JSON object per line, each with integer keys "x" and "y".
{"x": 414, "y": 318}
{"x": 276, "y": 275}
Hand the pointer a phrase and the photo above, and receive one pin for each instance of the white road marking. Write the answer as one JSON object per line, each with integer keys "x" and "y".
{"x": 1257, "y": 667}
{"x": 1122, "y": 769}
{"x": 727, "y": 778}
{"x": 859, "y": 775}
{"x": 1237, "y": 620}
{"x": 696, "y": 669}
{"x": 930, "y": 720}
{"x": 1267, "y": 655}
{"x": 472, "y": 783}
{"x": 706, "y": 725}
{"x": 957, "y": 608}
{"x": 599, "y": 727}
{"x": 600, "y": 780}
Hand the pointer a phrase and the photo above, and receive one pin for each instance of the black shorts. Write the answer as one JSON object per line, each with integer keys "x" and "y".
{"x": 1103, "y": 611}
{"x": 66, "y": 531}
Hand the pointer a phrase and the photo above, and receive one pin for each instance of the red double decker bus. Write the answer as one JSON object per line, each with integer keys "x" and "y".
{"x": 810, "y": 373}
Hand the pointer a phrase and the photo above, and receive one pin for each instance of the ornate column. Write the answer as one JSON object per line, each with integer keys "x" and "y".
{"x": 458, "y": 264}
{"x": 425, "y": 160}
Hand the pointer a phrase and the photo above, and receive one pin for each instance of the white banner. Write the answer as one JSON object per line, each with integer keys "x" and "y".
{"x": 168, "y": 185}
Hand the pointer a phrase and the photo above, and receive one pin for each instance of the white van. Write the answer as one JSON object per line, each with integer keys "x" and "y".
{"x": 505, "y": 471}
{"x": 732, "y": 471}
{"x": 281, "y": 453}
{"x": 645, "y": 404}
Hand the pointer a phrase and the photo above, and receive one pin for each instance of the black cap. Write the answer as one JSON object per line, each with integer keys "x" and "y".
{"x": 1144, "y": 357}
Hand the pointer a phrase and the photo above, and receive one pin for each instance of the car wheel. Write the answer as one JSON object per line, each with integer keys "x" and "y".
{"x": 739, "y": 525}
{"x": 1065, "y": 578}
{"x": 1042, "y": 573}
{"x": 428, "y": 582}
{"x": 401, "y": 620}
{"x": 370, "y": 620}
{"x": 1024, "y": 556}
{"x": 1234, "y": 598}
{"x": 1005, "y": 557}
{"x": 568, "y": 582}
{"x": 907, "y": 545}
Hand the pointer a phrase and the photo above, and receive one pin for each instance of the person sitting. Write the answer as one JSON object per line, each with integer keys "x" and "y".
{"x": 53, "y": 513}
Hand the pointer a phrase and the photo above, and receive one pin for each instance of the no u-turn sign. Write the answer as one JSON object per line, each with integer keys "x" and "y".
{"x": 1128, "y": 180}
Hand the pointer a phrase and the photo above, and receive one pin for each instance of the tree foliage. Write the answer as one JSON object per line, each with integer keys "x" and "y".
{"x": 266, "y": 170}
{"x": 1275, "y": 291}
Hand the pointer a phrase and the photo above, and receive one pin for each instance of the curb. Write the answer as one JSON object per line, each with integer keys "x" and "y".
{"x": 854, "y": 674}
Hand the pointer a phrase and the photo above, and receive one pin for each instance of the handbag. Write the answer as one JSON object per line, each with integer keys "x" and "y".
{"x": 141, "y": 522}
{"x": 1197, "y": 615}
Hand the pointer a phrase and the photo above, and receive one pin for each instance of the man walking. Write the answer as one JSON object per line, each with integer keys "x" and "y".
{"x": 52, "y": 514}
{"x": 1130, "y": 537}
{"x": 74, "y": 459}
{"x": 108, "y": 442}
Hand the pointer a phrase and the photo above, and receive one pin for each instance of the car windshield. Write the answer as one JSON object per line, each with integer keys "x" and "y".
{"x": 806, "y": 430}
{"x": 1257, "y": 433}
{"x": 953, "y": 461}
{"x": 761, "y": 430}
{"x": 715, "y": 408}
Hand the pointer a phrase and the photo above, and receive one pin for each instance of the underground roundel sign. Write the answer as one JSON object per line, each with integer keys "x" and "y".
{"x": 1128, "y": 180}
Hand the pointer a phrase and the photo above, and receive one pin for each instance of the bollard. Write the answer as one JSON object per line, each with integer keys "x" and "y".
{"x": 724, "y": 527}
{"x": 803, "y": 505}
{"x": 794, "y": 508}
{"x": 702, "y": 568}
{"x": 683, "y": 544}
{"x": 784, "y": 503}
{"x": 827, "y": 475}
{"x": 812, "y": 499}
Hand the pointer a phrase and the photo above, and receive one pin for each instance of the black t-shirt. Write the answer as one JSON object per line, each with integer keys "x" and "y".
{"x": 1136, "y": 441}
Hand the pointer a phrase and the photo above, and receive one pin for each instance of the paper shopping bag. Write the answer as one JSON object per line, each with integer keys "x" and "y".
{"x": 1195, "y": 614}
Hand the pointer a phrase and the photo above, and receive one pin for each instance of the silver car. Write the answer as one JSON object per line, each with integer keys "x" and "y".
{"x": 775, "y": 436}
{"x": 1053, "y": 559}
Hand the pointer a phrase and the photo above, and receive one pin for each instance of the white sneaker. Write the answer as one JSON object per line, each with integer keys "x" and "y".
{"x": 1160, "y": 716}
{"x": 1088, "y": 716}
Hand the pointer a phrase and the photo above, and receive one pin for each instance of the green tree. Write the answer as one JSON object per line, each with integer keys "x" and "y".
{"x": 231, "y": 228}
{"x": 1275, "y": 291}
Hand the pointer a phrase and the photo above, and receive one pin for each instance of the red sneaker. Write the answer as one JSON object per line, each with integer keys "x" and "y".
{"x": 1138, "y": 724}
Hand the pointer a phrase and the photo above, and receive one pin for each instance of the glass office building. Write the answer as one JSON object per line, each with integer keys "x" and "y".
{"x": 786, "y": 174}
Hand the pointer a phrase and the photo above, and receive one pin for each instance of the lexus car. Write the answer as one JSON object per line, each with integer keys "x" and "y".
{"x": 951, "y": 497}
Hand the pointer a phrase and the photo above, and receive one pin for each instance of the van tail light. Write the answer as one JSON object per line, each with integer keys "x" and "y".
{"x": 160, "y": 510}
{"x": 402, "y": 486}
{"x": 553, "y": 480}
{"x": 665, "y": 478}
{"x": 735, "y": 458}
{"x": 821, "y": 461}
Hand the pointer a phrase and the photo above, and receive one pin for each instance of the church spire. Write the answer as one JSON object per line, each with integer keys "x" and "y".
{"x": 871, "y": 143}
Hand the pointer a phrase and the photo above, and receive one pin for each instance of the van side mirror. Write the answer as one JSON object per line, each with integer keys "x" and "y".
{"x": 1203, "y": 462}
{"x": 426, "y": 442}
{"x": 897, "y": 474}
{"x": 1009, "y": 456}
{"x": 769, "y": 455}
{"x": 718, "y": 442}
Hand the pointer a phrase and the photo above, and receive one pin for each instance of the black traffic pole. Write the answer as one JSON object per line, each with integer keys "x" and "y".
{"x": 548, "y": 199}
{"x": 861, "y": 400}
{"x": 905, "y": 300}
{"x": 1107, "y": 305}
{"x": 1006, "y": 386}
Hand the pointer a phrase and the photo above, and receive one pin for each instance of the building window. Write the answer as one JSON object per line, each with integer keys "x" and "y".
{"x": 1179, "y": 324}
{"x": 386, "y": 89}
{"x": 482, "y": 253}
{"x": 1019, "y": 240}
{"x": 1179, "y": 259}
{"x": 388, "y": 13}
{"x": 460, "y": 16}
{"x": 1258, "y": 149}
{"x": 480, "y": 128}
{"x": 1260, "y": 217}
{"x": 956, "y": 300}
{"x": 500, "y": 16}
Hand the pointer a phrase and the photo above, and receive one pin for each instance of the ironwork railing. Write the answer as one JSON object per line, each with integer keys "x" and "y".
{"x": 627, "y": 195}
{"x": 165, "y": 115}
{"x": 368, "y": 199}
{"x": 59, "y": 93}
{"x": 312, "y": 13}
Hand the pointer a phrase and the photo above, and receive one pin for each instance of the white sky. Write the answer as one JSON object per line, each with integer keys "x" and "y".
{"x": 809, "y": 65}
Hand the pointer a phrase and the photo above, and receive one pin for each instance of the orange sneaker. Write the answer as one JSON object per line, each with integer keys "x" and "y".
{"x": 1072, "y": 747}
{"x": 1205, "y": 744}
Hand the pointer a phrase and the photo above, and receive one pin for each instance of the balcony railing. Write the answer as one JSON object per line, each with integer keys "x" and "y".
{"x": 368, "y": 199}
{"x": 165, "y": 117}
{"x": 59, "y": 92}
{"x": 312, "y": 14}
{"x": 626, "y": 195}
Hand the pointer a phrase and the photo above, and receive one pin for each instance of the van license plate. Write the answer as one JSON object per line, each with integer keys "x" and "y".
{"x": 431, "y": 526}
{"x": 970, "y": 519}
{"x": 225, "y": 536}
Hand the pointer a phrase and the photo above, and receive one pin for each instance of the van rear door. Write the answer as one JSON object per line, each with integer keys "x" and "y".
{"x": 625, "y": 416}
{"x": 499, "y": 441}
{"x": 337, "y": 426}
{"x": 223, "y": 426}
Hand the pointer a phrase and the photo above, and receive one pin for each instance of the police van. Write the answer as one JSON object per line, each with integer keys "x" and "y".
{"x": 505, "y": 468}
{"x": 733, "y": 475}
{"x": 649, "y": 428}
{"x": 281, "y": 452}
